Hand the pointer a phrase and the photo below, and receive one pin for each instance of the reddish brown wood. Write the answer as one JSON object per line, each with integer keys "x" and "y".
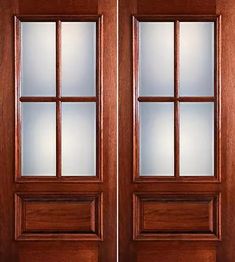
{"x": 54, "y": 251}
{"x": 58, "y": 103}
{"x": 56, "y": 7}
{"x": 176, "y": 98}
{"x": 108, "y": 61}
{"x": 17, "y": 58}
{"x": 136, "y": 98}
{"x": 176, "y": 102}
{"x": 190, "y": 17}
{"x": 226, "y": 250}
{"x": 217, "y": 104}
{"x": 125, "y": 129}
{"x": 149, "y": 247}
{"x": 179, "y": 252}
{"x": 80, "y": 99}
{"x": 62, "y": 18}
{"x": 58, "y": 99}
{"x": 65, "y": 217}
{"x": 156, "y": 99}
{"x": 101, "y": 246}
{"x": 176, "y": 7}
{"x": 171, "y": 216}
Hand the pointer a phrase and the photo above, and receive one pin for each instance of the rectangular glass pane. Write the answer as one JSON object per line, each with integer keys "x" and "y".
{"x": 78, "y": 58}
{"x": 196, "y": 58}
{"x": 156, "y": 139}
{"x": 38, "y": 139}
{"x": 38, "y": 59}
{"x": 156, "y": 58}
{"x": 79, "y": 139}
{"x": 196, "y": 139}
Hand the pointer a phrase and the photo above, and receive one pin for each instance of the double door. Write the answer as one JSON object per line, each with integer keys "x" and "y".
{"x": 117, "y": 131}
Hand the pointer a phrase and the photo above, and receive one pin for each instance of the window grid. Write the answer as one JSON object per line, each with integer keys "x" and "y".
{"x": 176, "y": 99}
{"x": 58, "y": 99}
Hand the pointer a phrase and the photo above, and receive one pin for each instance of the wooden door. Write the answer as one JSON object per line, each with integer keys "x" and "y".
{"x": 169, "y": 209}
{"x": 58, "y": 187}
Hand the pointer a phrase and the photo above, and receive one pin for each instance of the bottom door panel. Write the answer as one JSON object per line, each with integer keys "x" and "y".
{"x": 171, "y": 216}
{"x": 51, "y": 216}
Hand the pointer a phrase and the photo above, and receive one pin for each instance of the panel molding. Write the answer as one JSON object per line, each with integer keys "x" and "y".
{"x": 172, "y": 216}
{"x": 36, "y": 214}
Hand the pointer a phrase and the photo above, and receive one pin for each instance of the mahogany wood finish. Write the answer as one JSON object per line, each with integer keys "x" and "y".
{"x": 137, "y": 215}
{"x": 51, "y": 217}
{"x": 86, "y": 207}
{"x": 171, "y": 216}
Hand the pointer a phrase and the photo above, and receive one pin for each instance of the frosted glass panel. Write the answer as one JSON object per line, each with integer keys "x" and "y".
{"x": 156, "y": 55}
{"x": 196, "y": 58}
{"x": 38, "y": 54}
{"x": 38, "y": 139}
{"x": 79, "y": 139}
{"x": 156, "y": 139}
{"x": 78, "y": 58}
{"x": 197, "y": 139}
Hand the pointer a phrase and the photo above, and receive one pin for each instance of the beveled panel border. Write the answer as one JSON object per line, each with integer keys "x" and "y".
{"x": 98, "y": 19}
{"x": 216, "y": 98}
{"x": 213, "y": 199}
{"x": 97, "y": 215}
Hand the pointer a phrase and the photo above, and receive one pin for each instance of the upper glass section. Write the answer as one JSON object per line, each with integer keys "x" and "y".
{"x": 196, "y": 59}
{"x": 173, "y": 133}
{"x": 78, "y": 58}
{"x": 156, "y": 58}
{"x": 38, "y": 59}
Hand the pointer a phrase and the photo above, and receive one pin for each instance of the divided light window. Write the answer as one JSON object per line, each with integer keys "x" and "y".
{"x": 176, "y": 98}
{"x": 57, "y": 97}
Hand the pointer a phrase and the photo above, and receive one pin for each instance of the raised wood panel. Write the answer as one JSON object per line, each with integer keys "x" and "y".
{"x": 50, "y": 216}
{"x": 176, "y": 216}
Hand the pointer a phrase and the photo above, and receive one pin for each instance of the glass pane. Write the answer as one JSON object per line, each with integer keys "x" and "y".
{"x": 197, "y": 139}
{"x": 38, "y": 54}
{"x": 196, "y": 58}
{"x": 38, "y": 139}
{"x": 156, "y": 139}
{"x": 78, "y": 58}
{"x": 156, "y": 55}
{"x": 79, "y": 139}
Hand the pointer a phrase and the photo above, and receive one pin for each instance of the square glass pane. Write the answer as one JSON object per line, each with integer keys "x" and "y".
{"x": 78, "y": 58}
{"x": 156, "y": 58}
{"x": 197, "y": 139}
{"x": 196, "y": 59}
{"x": 38, "y": 139}
{"x": 79, "y": 139}
{"x": 38, "y": 59}
{"x": 156, "y": 139}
